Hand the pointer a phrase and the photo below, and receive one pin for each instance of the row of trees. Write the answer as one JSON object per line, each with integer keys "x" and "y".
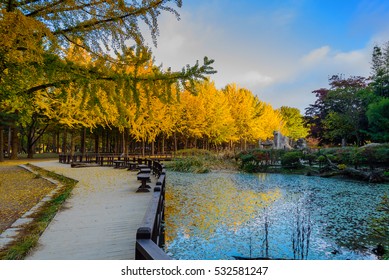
{"x": 208, "y": 118}
{"x": 66, "y": 72}
{"x": 68, "y": 64}
{"x": 353, "y": 110}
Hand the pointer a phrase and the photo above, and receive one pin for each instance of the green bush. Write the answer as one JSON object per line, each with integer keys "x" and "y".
{"x": 321, "y": 159}
{"x": 342, "y": 166}
{"x": 310, "y": 157}
{"x": 189, "y": 164}
{"x": 250, "y": 167}
{"x": 193, "y": 152}
{"x": 257, "y": 160}
{"x": 245, "y": 158}
{"x": 370, "y": 155}
{"x": 291, "y": 160}
{"x": 345, "y": 155}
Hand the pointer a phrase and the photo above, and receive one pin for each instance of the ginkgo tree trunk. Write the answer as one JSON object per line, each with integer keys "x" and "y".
{"x": 1, "y": 143}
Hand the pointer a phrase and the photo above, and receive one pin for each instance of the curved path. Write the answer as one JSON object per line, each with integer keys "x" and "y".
{"x": 100, "y": 219}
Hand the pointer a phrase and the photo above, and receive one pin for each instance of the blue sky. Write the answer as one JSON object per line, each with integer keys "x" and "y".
{"x": 280, "y": 50}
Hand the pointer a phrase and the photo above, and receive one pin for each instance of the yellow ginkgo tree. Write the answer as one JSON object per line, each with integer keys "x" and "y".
{"x": 246, "y": 111}
{"x": 37, "y": 39}
{"x": 219, "y": 124}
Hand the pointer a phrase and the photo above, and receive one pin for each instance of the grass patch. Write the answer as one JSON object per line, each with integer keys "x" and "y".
{"x": 202, "y": 161}
{"x": 29, "y": 234}
{"x": 193, "y": 164}
{"x": 40, "y": 156}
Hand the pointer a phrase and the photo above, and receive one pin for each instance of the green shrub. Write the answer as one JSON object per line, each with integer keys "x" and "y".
{"x": 258, "y": 160}
{"x": 371, "y": 155}
{"x": 245, "y": 158}
{"x": 193, "y": 152}
{"x": 310, "y": 157}
{"x": 250, "y": 167}
{"x": 291, "y": 159}
{"x": 321, "y": 159}
{"x": 192, "y": 164}
{"x": 345, "y": 155}
{"x": 342, "y": 166}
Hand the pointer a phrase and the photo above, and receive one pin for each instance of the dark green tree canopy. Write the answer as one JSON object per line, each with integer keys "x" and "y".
{"x": 353, "y": 109}
{"x": 378, "y": 116}
{"x": 339, "y": 114}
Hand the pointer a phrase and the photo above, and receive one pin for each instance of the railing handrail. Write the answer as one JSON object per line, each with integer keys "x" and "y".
{"x": 107, "y": 158}
{"x": 118, "y": 154}
{"x": 150, "y": 235}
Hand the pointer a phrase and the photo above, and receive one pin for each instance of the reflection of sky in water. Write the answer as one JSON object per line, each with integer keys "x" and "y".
{"x": 221, "y": 215}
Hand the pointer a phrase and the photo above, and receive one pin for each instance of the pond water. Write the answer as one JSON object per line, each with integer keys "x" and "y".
{"x": 228, "y": 215}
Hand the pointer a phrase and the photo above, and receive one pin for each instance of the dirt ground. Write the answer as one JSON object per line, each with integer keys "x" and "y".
{"x": 20, "y": 190}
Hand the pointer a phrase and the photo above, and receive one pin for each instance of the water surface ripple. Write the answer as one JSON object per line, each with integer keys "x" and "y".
{"x": 226, "y": 215}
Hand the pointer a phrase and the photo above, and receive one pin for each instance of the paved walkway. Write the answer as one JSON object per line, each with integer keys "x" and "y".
{"x": 100, "y": 219}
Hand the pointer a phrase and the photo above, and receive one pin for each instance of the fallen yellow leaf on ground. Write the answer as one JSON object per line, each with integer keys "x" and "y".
{"x": 20, "y": 190}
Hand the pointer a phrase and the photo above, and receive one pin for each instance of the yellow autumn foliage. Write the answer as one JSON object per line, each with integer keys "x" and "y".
{"x": 224, "y": 205}
{"x": 21, "y": 38}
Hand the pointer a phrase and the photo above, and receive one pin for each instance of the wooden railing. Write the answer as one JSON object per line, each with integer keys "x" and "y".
{"x": 150, "y": 235}
{"x": 108, "y": 158}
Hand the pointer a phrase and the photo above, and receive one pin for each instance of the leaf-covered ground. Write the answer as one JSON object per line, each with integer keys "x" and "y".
{"x": 20, "y": 190}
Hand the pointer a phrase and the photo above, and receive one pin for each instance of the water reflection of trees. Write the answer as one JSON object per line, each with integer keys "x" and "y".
{"x": 206, "y": 206}
{"x": 248, "y": 214}
{"x": 286, "y": 218}
{"x": 301, "y": 229}
{"x": 262, "y": 233}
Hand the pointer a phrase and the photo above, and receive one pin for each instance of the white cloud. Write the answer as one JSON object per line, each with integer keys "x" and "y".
{"x": 326, "y": 61}
{"x": 316, "y": 55}
{"x": 260, "y": 53}
{"x": 254, "y": 78}
{"x": 349, "y": 57}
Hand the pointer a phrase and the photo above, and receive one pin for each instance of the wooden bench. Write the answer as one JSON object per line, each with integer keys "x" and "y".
{"x": 119, "y": 163}
{"x": 144, "y": 177}
{"x": 131, "y": 166}
{"x": 144, "y": 170}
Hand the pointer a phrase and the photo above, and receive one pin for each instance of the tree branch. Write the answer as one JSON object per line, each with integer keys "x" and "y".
{"x": 27, "y": 2}
{"x": 46, "y": 10}
{"x": 48, "y": 85}
{"x": 40, "y": 133}
{"x": 46, "y": 7}
{"x": 94, "y": 23}
{"x": 86, "y": 48}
